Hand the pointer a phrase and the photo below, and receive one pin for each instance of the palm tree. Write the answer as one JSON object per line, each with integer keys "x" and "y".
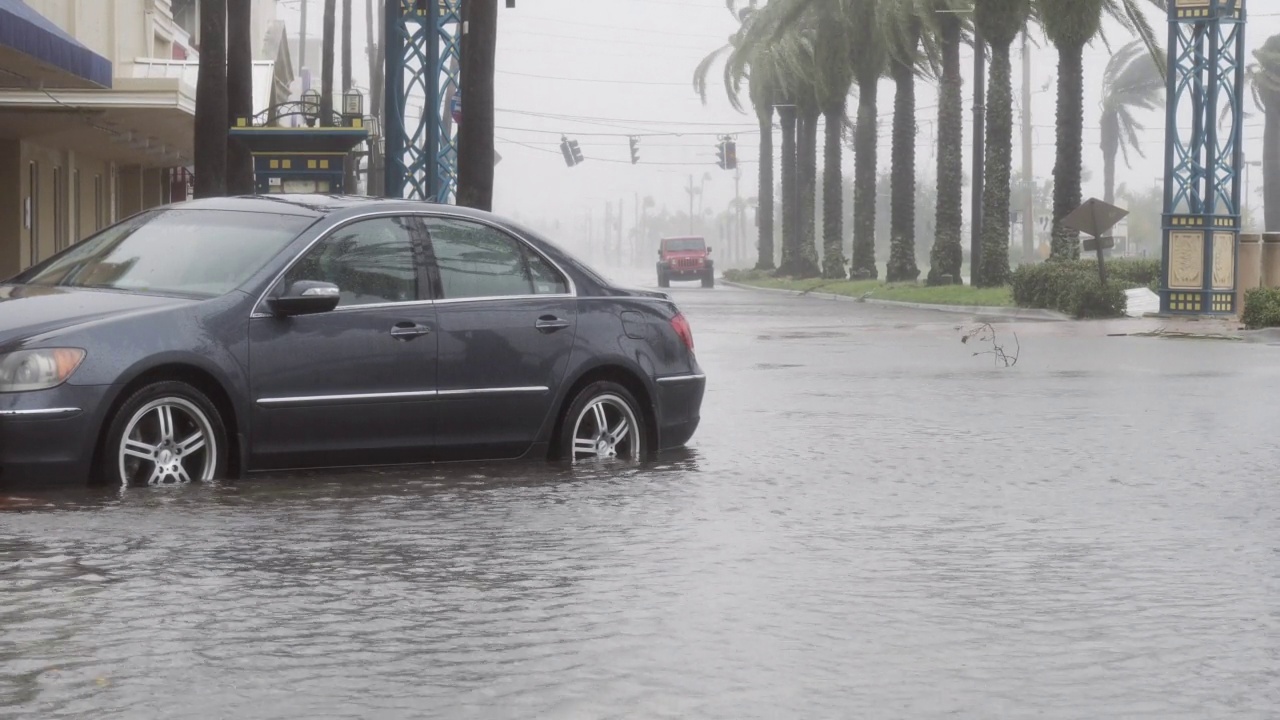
{"x": 835, "y": 76}
{"x": 1266, "y": 89}
{"x": 868, "y": 58}
{"x": 1070, "y": 25}
{"x": 903, "y": 22}
{"x": 211, "y": 102}
{"x": 750, "y": 61}
{"x": 799, "y": 54}
{"x": 947, "y": 255}
{"x": 1132, "y": 82}
{"x": 239, "y": 92}
{"x": 999, "y": 21}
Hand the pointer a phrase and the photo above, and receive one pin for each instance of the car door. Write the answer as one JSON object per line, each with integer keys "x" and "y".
{"x": 355, "y": 385}
{"x": 507, "y": 318}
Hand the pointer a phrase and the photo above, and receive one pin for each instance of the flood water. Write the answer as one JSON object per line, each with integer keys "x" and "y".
{"x": 871, "y": 522}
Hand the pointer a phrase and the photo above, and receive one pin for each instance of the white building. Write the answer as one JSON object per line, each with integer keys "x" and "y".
{"x": 97, "y": 110}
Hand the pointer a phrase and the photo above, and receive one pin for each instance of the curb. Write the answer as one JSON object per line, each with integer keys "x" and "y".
{"x": 980, "y": 311}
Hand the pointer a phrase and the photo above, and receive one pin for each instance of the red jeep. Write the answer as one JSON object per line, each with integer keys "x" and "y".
{"x": 685, "y": 258}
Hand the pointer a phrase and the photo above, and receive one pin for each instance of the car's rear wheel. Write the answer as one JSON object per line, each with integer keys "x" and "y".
{"x": 603, "y": 423}
{"x": 167, "y": 433}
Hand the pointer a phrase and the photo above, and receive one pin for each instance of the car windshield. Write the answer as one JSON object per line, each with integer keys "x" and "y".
{"x": 200, "y": 253}
{"x": 685, "y": 245}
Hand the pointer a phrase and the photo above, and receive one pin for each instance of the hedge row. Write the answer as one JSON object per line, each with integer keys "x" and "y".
{"x": 1072, "y": 288}
{"x": 1261, "y": 308}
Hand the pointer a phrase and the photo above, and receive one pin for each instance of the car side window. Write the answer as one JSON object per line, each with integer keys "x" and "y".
{"x": 478, "y": 261}
{"x": 371, "y": 261}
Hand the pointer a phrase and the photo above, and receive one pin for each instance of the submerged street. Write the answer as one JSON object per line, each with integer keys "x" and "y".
{"x": 870, "y": 522}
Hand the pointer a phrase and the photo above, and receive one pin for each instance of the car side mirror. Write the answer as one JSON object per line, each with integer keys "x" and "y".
{"x": 708, "y": 249}
{"x": 659, "y": 252}
{"x": 306, "y": 297}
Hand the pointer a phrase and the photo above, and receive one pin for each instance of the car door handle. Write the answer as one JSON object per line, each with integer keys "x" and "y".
{"x": 550, "y": 324}
{"x": 409, "y": 330}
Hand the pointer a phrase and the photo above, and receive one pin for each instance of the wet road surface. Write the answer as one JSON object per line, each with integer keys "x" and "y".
{"x": 871, "y": 522}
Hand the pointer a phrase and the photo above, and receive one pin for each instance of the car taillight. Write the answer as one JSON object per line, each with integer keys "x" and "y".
{"x": 681, "y": 326}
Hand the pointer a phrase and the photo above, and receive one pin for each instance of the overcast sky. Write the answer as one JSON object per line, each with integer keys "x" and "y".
{"x": 601, "y": 70}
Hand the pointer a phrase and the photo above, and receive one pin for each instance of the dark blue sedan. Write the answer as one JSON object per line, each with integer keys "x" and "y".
{"x": 221, "y": 337}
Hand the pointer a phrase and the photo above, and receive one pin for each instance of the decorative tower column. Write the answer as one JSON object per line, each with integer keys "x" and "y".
{"x": 1203, "y": 161}
{"x": 422, "y": 56}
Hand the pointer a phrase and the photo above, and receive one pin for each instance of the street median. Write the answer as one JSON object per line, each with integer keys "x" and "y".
{"x": 958, "y": 299}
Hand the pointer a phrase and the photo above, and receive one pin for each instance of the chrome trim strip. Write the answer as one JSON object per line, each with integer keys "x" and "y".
{"x": 682, "y": 378}
{"x": 37, "y": 412}
{"x": 317, "y": 399}
{"x": 436, "y": 213}
{"x": 496, "y": 391}
{"x": 495, "y": 298}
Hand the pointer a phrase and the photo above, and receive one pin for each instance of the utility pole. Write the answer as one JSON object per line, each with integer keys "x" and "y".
{"x": 326, "y": 65}
{"x": 979, "y": 153}
{"x": 738, "y": 249}
{"x": 475, "y": 130}
{"x": 690, "y": 203}
{"x": 635, "y": 241}
{"x": 302, "y": 40}
{"x": 620, "y": 263}
{"x": 608, "y": 226}
{"x": 1028, "y": 162}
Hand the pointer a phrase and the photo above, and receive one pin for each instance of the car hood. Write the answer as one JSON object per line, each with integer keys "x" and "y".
{"x": 27, "y": 310}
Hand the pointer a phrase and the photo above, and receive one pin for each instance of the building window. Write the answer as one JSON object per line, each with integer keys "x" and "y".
{"x": 99, "y": 203}
{"x": 75, "y": 198}
{"x": 33, "y": 213}
{"x": 59, "y": 209}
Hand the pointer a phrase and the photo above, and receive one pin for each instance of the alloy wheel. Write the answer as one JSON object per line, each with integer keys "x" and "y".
{"x": 606, "y": 429}
{"x": 168, "y": 441}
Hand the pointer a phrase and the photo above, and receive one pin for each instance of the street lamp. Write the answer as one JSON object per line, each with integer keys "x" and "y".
{"x": 311, "y": 106}
{"x": 352, "y": 106}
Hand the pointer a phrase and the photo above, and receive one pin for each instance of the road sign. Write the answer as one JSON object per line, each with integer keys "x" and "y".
{"x": 1093, "y": 244}
{"x": 1095, "y": 217}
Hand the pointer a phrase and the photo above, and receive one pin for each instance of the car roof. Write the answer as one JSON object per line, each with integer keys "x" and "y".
{"x": 326, "y": 205}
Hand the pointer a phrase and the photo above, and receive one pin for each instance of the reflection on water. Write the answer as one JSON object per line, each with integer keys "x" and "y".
{"x": 886, "y": 529}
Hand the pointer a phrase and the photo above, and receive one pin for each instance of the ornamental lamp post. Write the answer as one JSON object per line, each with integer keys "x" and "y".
{"x": 311, "y": 106}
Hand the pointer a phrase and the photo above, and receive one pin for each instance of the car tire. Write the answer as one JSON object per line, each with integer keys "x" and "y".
{"x": 167, "y": 433}
{"x": 623, "y": 436}
{"x": 709, "y": 278}
{"x": 664, "y": 280}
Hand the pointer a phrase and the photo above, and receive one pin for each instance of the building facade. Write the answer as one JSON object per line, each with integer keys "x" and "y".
{"x": 97, "y": 111}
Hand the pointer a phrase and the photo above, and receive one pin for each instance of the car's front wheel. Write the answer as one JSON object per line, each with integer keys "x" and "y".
{"x": 167, "y": 433}
{"x": 603, "y": 423}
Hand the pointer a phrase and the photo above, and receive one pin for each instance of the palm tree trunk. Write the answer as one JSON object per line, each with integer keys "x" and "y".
{"x": 326, "y": 63}
{"x": 833, "y": 194}
{"x": 764, "y": 194}
{"x": 807, "y": 167}
{"x": 475, "y": 132}
{"x": 999, "y": 164}
{"x": 864, "y": 183}
{"x": 239, "y": 92}
{"x": 1271, "y": 164}
{"x": 211, "y": 102}
{"x": 1110, "y": 151}
{"x": 789, "y": 206}
{"x": 1067, "y": 171}
{"x": 947, "y": 255}
{"x": 902, "y": 214}
{"x": 346, "y": 45}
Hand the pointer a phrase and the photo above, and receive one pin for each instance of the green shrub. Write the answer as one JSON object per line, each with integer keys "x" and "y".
{"x": 1261, "y": 308}
{"x": 1129, "y": 272}
{"x": 738, "y": 275}
{"x": 1068, "y": 287}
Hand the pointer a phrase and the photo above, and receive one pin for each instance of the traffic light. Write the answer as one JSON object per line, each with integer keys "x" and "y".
{"x": 635, "y": 150}
{"x": 727, "y": 154}
{"x": 566, "y": 151}
{"x": 572, "y": 153}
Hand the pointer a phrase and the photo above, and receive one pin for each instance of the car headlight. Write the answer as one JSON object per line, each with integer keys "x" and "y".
{"x": 42, "y": 369}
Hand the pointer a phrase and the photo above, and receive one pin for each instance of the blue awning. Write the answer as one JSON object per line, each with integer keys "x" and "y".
{"x": 28, "y": 32}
